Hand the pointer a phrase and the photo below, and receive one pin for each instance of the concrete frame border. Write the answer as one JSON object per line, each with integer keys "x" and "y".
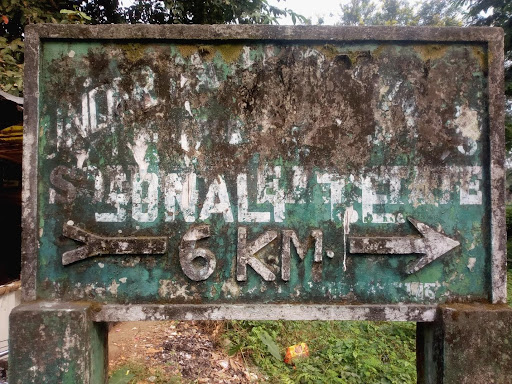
{"x": 493, "y": 37}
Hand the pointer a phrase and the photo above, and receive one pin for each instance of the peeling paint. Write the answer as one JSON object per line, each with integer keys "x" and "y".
{"x": 282, "y": 151}
{"x": 113, "y": 288}
{"x": 471, "y": 263}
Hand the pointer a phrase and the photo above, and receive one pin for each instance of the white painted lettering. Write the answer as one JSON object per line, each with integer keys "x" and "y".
{"x": 299, "y": 185}
{"x": 145, "y": 197}
{"x": 180, "y": 192}
{"x": 217, "y": 190}
{"x": 370, "y": 197}
{"x": 337, "y": 184}
{"x": 118, "y": 197}
{"x": 270, "y": 191}
{"x": 244, "y": 215}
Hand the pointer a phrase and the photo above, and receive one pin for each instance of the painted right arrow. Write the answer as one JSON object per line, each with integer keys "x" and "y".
{"x": 431, "y": 244}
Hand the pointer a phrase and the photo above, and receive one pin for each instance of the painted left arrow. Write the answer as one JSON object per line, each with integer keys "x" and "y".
{"x": 431, "y": 244}
{"x": 106, "y": 245}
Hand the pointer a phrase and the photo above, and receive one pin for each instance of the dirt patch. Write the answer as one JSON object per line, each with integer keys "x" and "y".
{"x": 191, "y": 351}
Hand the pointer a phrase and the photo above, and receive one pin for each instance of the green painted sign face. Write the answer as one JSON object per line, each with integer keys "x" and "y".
{"x": 264, "y": 171}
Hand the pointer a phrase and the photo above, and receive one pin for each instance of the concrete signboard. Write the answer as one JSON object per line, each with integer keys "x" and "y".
{"x": 264, "y": 172}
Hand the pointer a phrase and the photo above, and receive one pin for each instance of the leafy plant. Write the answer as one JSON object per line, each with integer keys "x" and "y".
{"x": 269, "y": 343}
{"x": 76, "y": 15}
{"x": 340, "y": 352}
{"x": 121, "y": 376}
{"x": 400, "y": 12}
{"x": 11, "y": 71}
{"x": 16, "y": 14}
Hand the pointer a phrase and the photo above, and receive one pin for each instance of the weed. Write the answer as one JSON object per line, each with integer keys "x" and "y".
{"x": 340, "y": 352}
{"x": 134, "y": 371}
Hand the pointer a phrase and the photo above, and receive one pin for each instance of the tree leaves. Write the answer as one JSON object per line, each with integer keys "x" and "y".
{"x": 400, "y": 12}
{"x": 75, "y": 15}
{"x": 11, "y": 71}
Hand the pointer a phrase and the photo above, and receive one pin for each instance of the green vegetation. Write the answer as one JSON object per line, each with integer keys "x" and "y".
{"x": 135, "y": 371}
{"x": 122, "y": 375}
{"x": 340, "y": 352}
{"x": 14, "y": 16}
{"x": 494, "y": 13}
{"x": 347, "y": 352}
{"x": 438, "y": 13}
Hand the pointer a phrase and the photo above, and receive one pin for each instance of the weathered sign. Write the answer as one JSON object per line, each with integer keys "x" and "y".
{"x": 253, "y": 166}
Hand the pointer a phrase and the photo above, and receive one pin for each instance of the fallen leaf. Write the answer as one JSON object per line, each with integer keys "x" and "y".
{"x": 235, "y": 365}
{"x": 224, "y": 364}
{"x": 5, "y": 19}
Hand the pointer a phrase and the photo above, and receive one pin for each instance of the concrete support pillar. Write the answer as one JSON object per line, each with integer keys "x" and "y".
{"x": 467, "y": 344}
{"x": 56, "y": 343}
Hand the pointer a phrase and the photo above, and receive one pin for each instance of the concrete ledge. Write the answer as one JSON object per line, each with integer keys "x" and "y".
{"x": 265, "y": 32}
{"x": 141, "y": 312}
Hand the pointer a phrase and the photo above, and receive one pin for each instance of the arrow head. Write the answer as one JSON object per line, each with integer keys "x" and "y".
{"x": 436, "y": 244}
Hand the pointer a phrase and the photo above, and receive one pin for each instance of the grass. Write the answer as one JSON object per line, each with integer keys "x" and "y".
{"x": 340, "y": 352}
{"x": 135, "y": 371}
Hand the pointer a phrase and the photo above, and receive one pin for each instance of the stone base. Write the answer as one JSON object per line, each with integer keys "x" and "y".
{"x": 56, "y": 343}
{"x": 467, "y": 344}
